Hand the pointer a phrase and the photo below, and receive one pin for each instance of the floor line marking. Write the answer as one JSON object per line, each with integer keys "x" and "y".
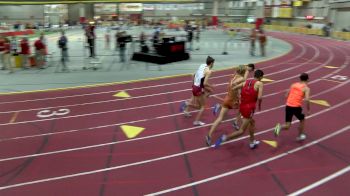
{"x": 14, "y": 117}
{"x": 337, "y": 132}
{"x": 147, "y": 137}
{"x": 143, "y": 120}
{"x": 332, "y": 81}
{"x": 179, "y": 154}
{"x": 320, "y": 182}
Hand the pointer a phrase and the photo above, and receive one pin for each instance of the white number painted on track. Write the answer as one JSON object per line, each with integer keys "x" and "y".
{"x": 339, "y": 77}
{"x": 49, "y": 113}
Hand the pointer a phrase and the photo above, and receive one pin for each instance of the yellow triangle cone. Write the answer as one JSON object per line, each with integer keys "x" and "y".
{"x": 131, "y": 131}
{"x": 321, "y": 102}
{"x": 271, "y": 143}
{"x": 331, "y": 67}
{"x": 122, "y": 94}
{"x": 266, "y": 80}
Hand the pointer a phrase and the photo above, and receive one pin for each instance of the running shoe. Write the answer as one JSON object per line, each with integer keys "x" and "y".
{"x": 183, "y": 106}
{"x": 187, "y": 114}
{"x": 208, "y": 140}
{"x": 301, "y": 137}
{"x": 220, "y": 140}
{"x": 198, "y": 123}
{"x": 254, "y": 144}
{"x": 235, "y": 125}
{"x": 277, "y": 130}
{"x": 216, "y": 109}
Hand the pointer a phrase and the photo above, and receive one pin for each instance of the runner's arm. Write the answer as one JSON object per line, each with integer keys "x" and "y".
{"x": 307, "y": 98}
{"x": 208, "y": 86}
{"x": 260, "y": 93}
{"x": 246, "y": 73}
{"x": 287, "y": 92}
{"x": 239, "y": 85}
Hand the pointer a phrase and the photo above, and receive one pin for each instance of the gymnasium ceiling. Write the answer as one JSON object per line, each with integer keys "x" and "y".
{"x": 35, "y": 2}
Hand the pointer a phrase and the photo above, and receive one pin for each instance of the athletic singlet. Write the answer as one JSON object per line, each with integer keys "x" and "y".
{"x": 199, "y": 76}
{"x": 248, "y": 94}
{"x": 230, "y": 93}
{"x": 296, "y": 95}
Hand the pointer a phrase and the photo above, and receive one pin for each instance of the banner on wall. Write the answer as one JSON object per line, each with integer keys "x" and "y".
{"x": 297, "y": 3}
{"x": 285, "y": 12}
{"x": 131, "y": 7}
{"x": 105, "y": 8}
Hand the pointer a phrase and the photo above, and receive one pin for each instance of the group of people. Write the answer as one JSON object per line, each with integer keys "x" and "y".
{"x": 11, "y": 47}
{"x": 243, "y": 95}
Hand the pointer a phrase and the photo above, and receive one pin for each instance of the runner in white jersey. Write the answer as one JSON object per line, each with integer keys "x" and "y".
{"x": 200, "y": 91}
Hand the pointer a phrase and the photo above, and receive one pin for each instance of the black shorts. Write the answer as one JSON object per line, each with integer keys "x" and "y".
{"x": 294, "y": 111}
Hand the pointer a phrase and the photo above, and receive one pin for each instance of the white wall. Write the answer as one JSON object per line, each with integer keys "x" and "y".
{"x": 342, "y": 18}
{"x": 23, "y": 13}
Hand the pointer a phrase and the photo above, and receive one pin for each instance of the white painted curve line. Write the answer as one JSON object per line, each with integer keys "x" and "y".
{"x": 320, "y": 182}
{"x": 344, "y": 129}
{"x": 104, "y": 112}
{"x": 192, "y": 151}
{"x": 152, "y": 86}
{"x": 163, "y": 134}
{"x": 160, "y": 117}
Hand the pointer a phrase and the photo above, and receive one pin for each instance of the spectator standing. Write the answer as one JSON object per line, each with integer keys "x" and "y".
{"x": 25, "y": 52}
{"x": 39, "y": 52}
{"x": 62, "y": 44}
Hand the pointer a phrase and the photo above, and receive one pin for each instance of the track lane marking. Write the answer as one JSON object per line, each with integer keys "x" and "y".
{"x": 14, "y": 117}
{"x": 197, "y": 150}
{"x": 335, "y": 133}
{"x": 320, "y": 182}
{"x": 151, "y": 136}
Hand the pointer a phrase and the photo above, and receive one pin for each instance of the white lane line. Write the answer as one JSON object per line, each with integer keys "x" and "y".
{"x": 146, "y": 137}
{"x": 103, "y": 126}
{"x": 193, "y": 151}
{"x": 154, "y": 86}
{"x": 320, "y": 182}
{"x": 113, "y": 100}
{"x": 337, "y": 132}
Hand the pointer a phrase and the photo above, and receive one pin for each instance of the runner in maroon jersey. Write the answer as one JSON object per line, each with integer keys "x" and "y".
{"x": 251, "y": 93}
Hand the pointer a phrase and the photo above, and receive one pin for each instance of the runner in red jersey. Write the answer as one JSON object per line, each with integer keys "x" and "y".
{"x": 251, "y": 93}
{"x": 231, "y": 100}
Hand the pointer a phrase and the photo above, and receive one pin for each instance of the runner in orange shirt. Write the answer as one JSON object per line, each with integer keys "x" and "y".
{"x": 298, "y": 92}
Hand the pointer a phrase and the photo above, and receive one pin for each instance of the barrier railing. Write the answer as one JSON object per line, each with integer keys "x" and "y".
{"x": 301, "y": 30}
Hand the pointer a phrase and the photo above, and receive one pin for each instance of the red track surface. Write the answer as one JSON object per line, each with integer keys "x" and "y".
{"x": 86, "y": 153}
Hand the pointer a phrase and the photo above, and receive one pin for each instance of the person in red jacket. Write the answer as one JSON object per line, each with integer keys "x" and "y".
{"x": 2, "y": 52}
{"x": 25, "y": 52}
{"x": 39, "y": 52}
{"x": 7, "y": 55}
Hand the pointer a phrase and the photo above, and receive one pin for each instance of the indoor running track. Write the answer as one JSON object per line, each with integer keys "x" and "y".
{"x": 78, "y": 148}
